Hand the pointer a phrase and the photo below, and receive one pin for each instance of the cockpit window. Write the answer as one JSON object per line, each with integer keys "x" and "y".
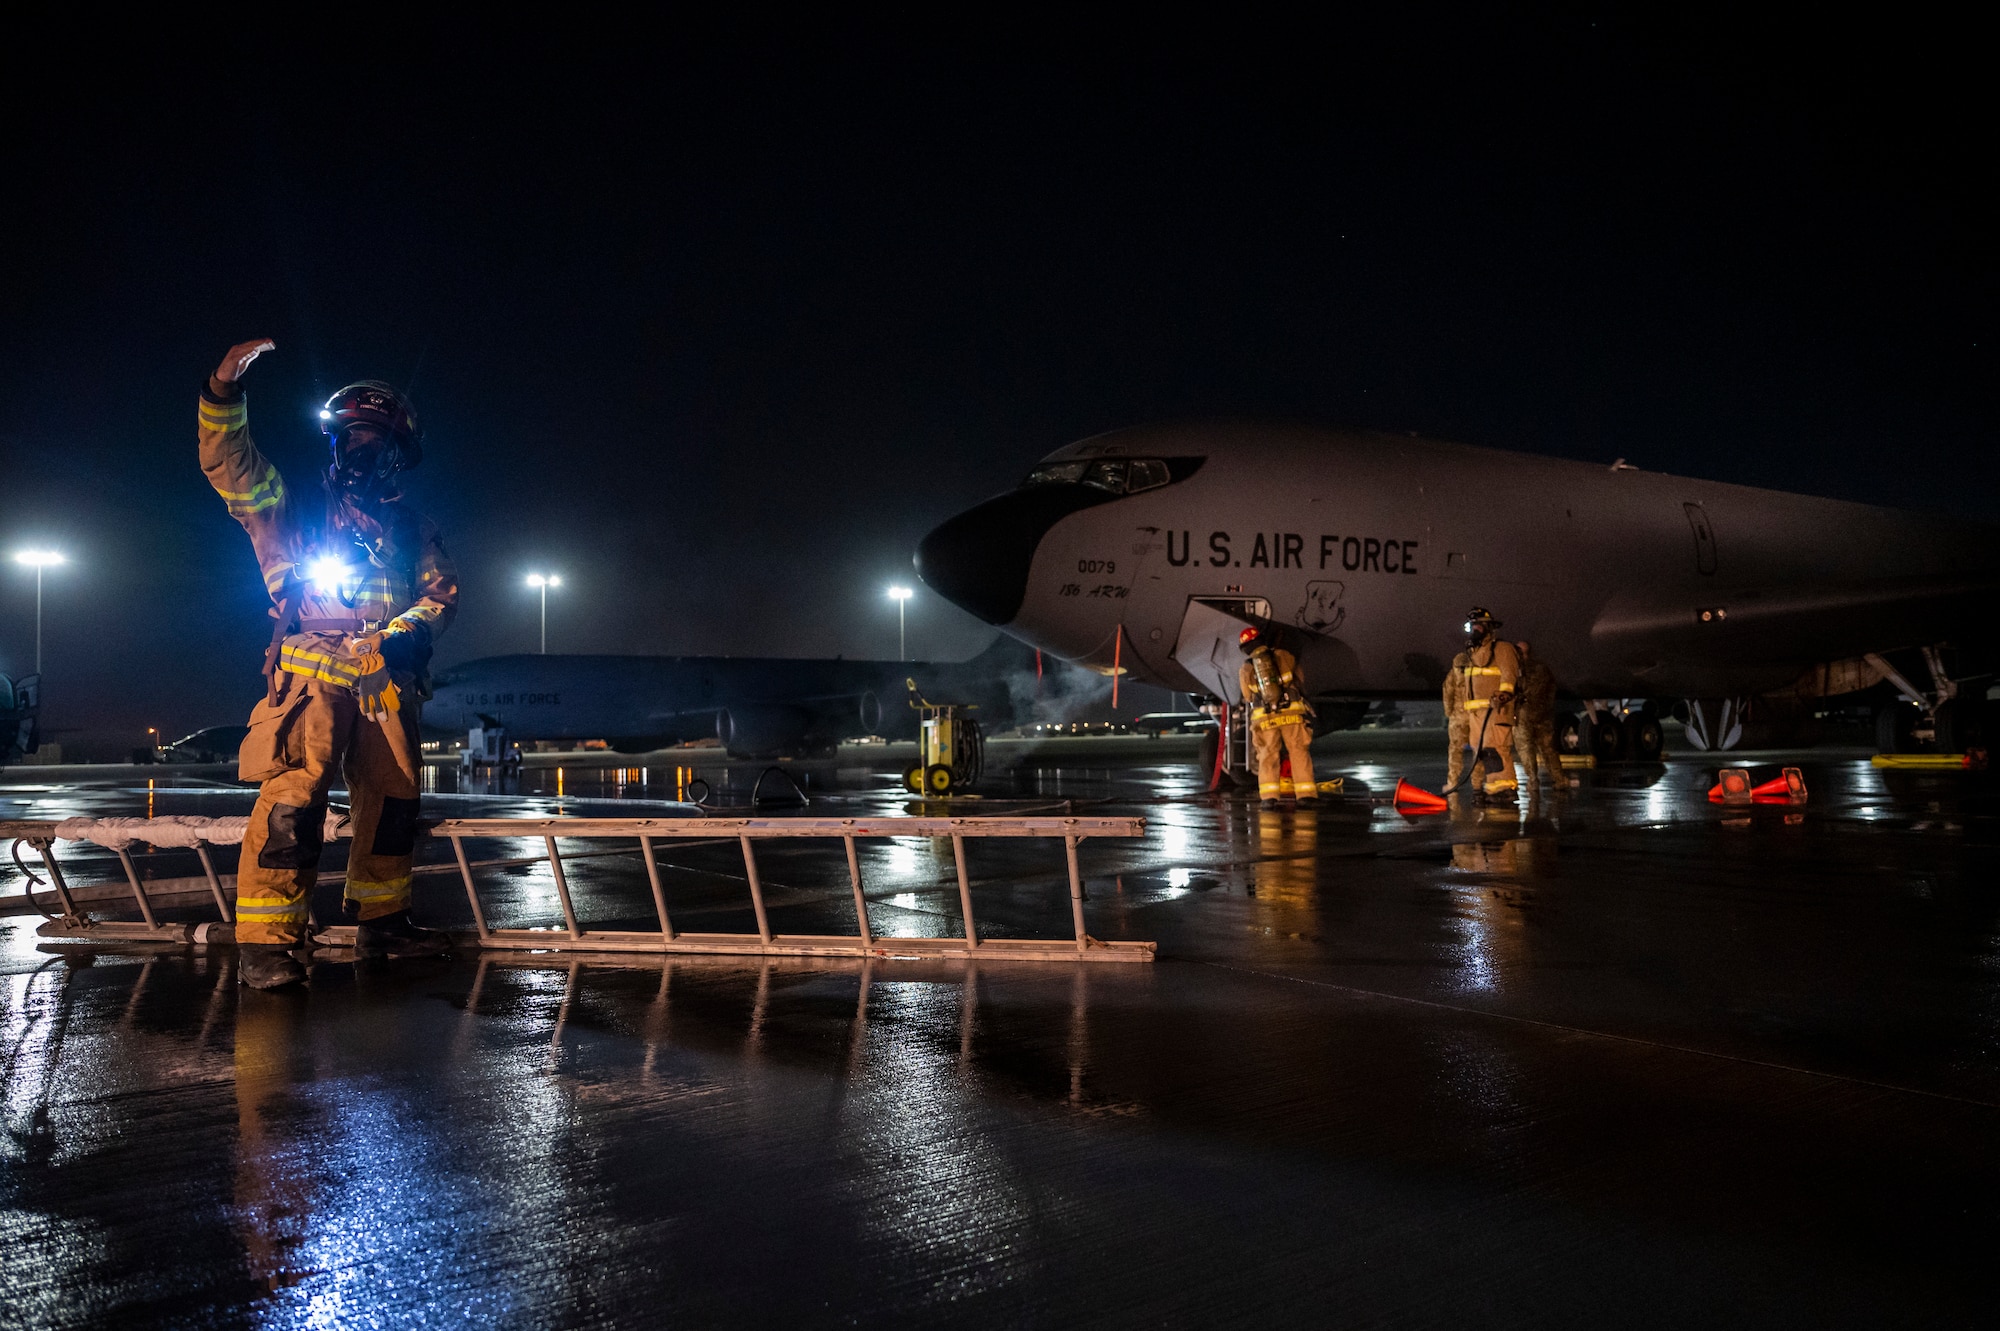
{"x": 1117, "y": 475}
{"x": 1107, "y": 476}
{"x": 1057, "y": 473}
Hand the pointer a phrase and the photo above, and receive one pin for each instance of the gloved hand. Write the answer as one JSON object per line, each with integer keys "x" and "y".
{"x": 378, "y": 693}
{"x": 406, "y": 647}
{"x": 237, "y": 359}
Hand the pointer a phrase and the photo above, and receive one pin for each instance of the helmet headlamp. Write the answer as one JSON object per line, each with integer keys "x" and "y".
{"x": 373, "y": 403}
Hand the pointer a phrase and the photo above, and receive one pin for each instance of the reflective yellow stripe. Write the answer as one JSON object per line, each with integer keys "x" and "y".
{"x": 316, "y": 665}
{"x": 272, "y": 908}
{"x": 223, "y": 415}
{"x": 362, "y": 890}
{"x": 1477, "y": 704}
{"x": 1482, "y": 670}
{"x": 267, "y": 493}
{"x": 1268, "y": 789}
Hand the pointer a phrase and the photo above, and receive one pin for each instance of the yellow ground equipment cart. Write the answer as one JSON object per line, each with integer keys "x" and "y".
{"x": 951, "y": 749}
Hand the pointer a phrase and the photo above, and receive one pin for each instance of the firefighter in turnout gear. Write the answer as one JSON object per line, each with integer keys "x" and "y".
{"x": 361, "y": 585}
{"x": 1280, "y": 719}
{"x": 1535, "y": 721}
{"x": 1457, "y": 721}
{"x": 1492, "y": 673}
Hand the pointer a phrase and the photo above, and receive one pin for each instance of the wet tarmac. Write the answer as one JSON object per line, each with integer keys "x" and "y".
{"x": 1618, "y": 1057}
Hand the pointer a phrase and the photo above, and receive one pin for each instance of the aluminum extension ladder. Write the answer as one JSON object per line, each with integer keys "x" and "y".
{"x": 573, "y": 935}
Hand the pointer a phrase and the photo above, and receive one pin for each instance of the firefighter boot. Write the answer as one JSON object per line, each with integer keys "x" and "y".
{"x": 268, "y": 966}
{"x": 395, "y": 936}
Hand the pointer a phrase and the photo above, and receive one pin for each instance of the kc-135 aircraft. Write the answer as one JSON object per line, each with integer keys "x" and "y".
{"x": 1741, "y": 610}
{"x": 757, "y": 706}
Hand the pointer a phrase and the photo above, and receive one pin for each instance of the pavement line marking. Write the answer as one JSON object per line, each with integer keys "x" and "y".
{"x": 1606, "y": 1035}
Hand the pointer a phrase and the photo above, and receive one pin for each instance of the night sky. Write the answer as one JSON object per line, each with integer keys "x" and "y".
{"x": 718, "y": 328}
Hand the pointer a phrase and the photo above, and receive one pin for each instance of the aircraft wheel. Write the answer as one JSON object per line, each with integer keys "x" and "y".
{"x": 913, "y": 780}
{"x": 1894, "y": 722}
{"x": 1204, "y": 761}
{"x": 1961, "y": 725}
{"x": 937, "y": 779}
{"x": 1607, "y": 737}
{"x": 1572, "y": 735}
{"x": 1644, "y": 740}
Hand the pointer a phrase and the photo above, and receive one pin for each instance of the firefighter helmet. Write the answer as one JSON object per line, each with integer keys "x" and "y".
{"x": 372, "y": 402}
{"x": 1247, "y": 639}
{"x": 1480, "y": 624}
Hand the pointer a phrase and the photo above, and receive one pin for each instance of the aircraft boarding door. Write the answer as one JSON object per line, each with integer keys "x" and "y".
{"x": 1704, "y": 537}
{"x": 1207, "y": 648}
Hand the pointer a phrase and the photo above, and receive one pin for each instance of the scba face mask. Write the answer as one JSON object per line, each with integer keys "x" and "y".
{"x": 365, "y": 464}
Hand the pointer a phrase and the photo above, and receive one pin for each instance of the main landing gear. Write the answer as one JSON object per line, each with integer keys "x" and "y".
{"x": 1612, "y": 732}
{"x": 1941, "y": 719}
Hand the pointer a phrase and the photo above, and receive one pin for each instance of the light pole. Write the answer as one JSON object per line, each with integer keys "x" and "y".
{"x": 901, "y": 596}
{"x": 38, "y": 560}
{"x": 544, "y": 582}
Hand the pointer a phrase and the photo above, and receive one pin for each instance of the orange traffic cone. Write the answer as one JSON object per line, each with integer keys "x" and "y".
{"x": 1791, "y": 786}
{"x": 1732, "y": 786}
{"x": 1415, "y": 799}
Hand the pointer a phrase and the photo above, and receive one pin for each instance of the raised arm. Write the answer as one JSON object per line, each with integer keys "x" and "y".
{"x": 249, "y": 484}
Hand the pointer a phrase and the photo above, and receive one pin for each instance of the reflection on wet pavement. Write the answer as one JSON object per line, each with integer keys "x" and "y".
{"x": 1618, "y": 1055}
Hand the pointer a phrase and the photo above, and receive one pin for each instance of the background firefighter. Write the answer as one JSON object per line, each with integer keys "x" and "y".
{"x": 1535, "y": 721}
{"x": 1492, "y": 676}
{"x": 362, "y": 584}
{"x": 1280, "y": 720}
{"x": 1457, "y": 722}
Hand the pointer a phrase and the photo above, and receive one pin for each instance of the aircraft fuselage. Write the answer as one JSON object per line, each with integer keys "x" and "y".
{"x": 1370, "y": 548}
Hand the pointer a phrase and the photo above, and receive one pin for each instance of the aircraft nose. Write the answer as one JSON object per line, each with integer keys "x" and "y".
{"x": 979, "y": 560}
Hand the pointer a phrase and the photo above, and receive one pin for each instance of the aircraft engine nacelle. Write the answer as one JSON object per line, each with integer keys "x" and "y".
{"x": 812, "y": 728}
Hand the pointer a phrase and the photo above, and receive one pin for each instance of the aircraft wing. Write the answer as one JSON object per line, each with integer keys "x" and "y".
{"x": 1824, "y": 622}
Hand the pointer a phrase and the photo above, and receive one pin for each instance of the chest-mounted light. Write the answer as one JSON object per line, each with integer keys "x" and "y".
{"x": 331, "y": 575}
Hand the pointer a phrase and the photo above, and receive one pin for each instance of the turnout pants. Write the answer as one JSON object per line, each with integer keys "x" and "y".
{"x": 1458, "y": 739}
{"x": 1493, "y": 766}
{"x": 1271, "y": 743}
{"x": 294, "y": 749}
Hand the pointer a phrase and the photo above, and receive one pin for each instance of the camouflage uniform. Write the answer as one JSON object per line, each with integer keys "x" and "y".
{"x": 1535, "y": 722}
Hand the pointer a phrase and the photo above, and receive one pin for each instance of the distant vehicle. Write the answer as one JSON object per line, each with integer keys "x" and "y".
{"x": 487, "y": 746}
{"x": 216, "y": 744}
{"x": 1151, "y": 549}
{"x": 20, "y": 703}
{"x": 758, "y": 707}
